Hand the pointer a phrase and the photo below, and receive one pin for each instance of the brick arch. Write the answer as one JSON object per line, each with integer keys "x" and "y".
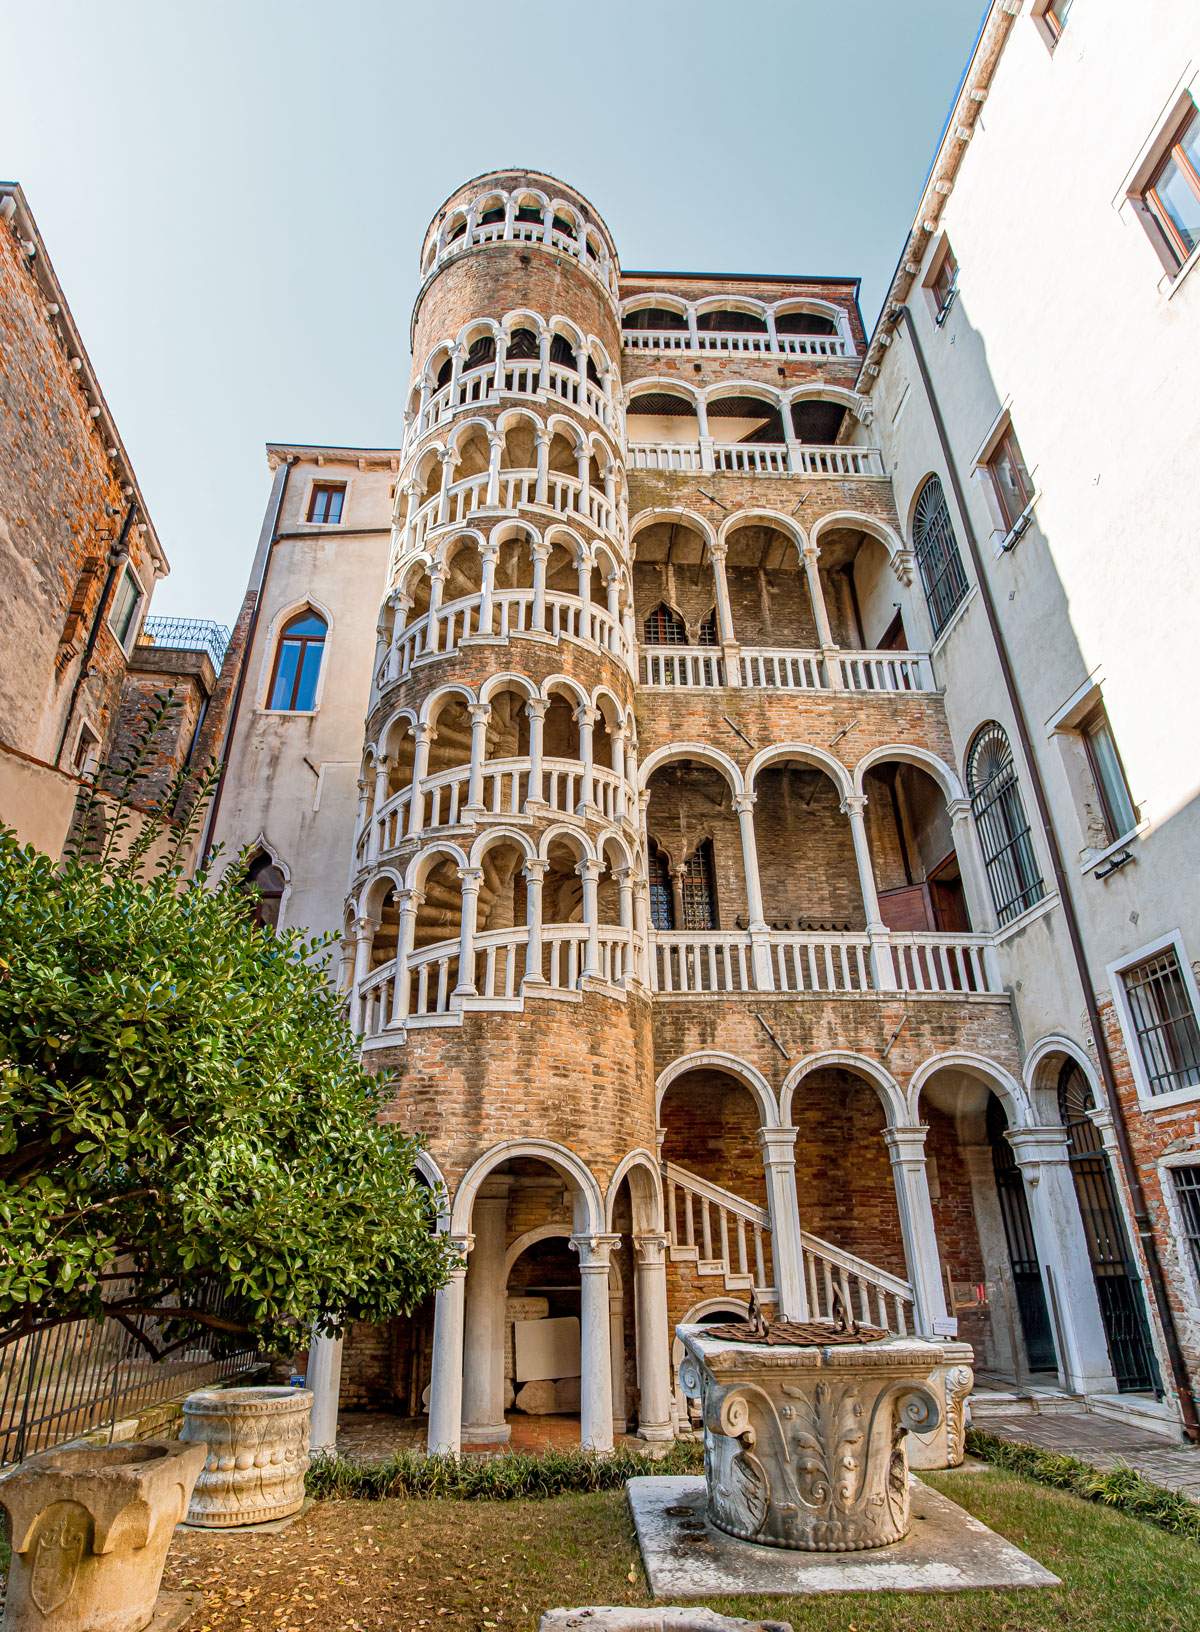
{"x": 589, "y": 1204}
{"x": 746, "y": 1075}
{"x": 875, "y": 1076}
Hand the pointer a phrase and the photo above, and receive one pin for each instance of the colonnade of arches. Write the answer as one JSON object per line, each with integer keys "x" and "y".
{"x": 522, "y": 353}
{"x": 669, "y": 408}
{"x": 524, "y": 215}
{"x": 796, "y": 326}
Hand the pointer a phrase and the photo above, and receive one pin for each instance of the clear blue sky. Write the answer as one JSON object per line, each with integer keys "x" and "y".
{"x": 233, "y": 193}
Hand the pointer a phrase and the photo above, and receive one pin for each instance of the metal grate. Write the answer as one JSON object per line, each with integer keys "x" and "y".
{"x": 187, "y": 635}
{"x": 87, "y": 1374}
{"x": 664, "y": 627}
{"x": 707, "y": 633}
{"x": 662, "y": 902}
{"x": 940, "y": 564}
{"x": 1165, "y": 1021}
{"x": 699, "y": 889}
{"x": 1187, "y": 1191}
{"x": 999, "y": 812}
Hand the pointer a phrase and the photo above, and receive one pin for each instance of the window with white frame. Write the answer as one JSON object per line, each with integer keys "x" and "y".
{"x": 127, "y": 602}
{"x": 1161, "y": 1009}
{"x": 1051, "y": 18}
{"x": 1186, "y": 1183}
{"x": 1108, "y": 775}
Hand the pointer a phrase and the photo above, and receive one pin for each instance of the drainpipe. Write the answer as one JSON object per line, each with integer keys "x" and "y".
{"x": 235, "y": 708}
{"x": 1141, "y": 1213}
{"x": 117, "y": 555}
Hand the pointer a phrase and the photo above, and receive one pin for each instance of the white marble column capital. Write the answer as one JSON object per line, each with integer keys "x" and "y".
{"x": 595, "y": 1252}
{"x": 906, "y": 1143}
{"x": 480, "y": 712}
{"x": 854, "y": 804}
{"x": 650, "y": 1250}
{"x": 536, "y": 868}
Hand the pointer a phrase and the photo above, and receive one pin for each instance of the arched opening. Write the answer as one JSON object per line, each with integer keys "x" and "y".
{"x": 916, "y": 868}
{"x": 661, "y": 318}
{"x": 805, "y": 851}
{"x": 745, "y": 421}
{"x": 691, "y": 820}
{"x": 998, "y": 807}
{"x": 795, "y": 320}
{"x": 728, "y": 320}
{"x": 265, "y": 884}
{"x": 297, "y": 668}
{"x": 662, "y": 417}
{"x": 862, "y": 599}
{"x": 769, "y": 597}
{"x": 673, "y": 586}
{"x": 817, "y": 421}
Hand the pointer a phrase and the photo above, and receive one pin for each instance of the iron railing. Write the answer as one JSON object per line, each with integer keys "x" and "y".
{"x": 85, "y": 1375}
{"x": 187, "y": 635}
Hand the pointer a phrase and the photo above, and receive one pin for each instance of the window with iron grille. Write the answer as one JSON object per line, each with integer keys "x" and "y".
{"x": 999, "y": 812}
{"x": 942, "y": 574}
{"x": 707, "y": 635}
{"x": 664, "y": 627}
{"x": 1187, "y": 1192}
{"x": 1164, "y": 1022}
{"x": 662, "y": 902}
{"x": 699, "y": 889}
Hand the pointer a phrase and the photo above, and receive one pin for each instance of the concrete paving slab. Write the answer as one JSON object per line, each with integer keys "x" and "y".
{"x": 946, "y": 1551}
{"x": 173, "y": 1610}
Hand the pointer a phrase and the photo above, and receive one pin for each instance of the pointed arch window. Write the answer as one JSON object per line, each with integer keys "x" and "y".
{"x": 265, "y": 883}
{"x": 662, "y": 901}
{"x": 999, "y": 811}
{"x": 707, "y": 634}
{"x": 942, "y": 574}
{"x": 298, "y": 663}
{"x": 664, "y": 627}
{"x": 700, "y": 889}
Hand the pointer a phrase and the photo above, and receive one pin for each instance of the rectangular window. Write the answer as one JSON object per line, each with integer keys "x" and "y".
{"x": 122, "y": 619}
{"x": 1056, "y": 15}
{"x": 1164, "y": 1022}
{"x": 1108, "y": 773}
{"x": 1187, "y": 1192}
{"x": 87, "y": 752}
{"x": 1010, "y": 478}
{"x": 944, "y": 284}
{"x": 1172, "y": 194}
{"x": 325, "y": 505}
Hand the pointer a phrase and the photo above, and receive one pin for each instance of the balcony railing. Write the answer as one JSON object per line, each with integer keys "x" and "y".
{"x": 187, "y": 635}
{"x": 781, "y": 668}
{"x": 690, "y": 963}
{"x": 757, "y": 458}
{"x": 521, "y": 378}
{"x": 714, "y": 341}
{"x": 504, "y": 792}
{"x": 527, "y": 232}
{"x": 512, "y": 612}
{"x": 566, "y": 495}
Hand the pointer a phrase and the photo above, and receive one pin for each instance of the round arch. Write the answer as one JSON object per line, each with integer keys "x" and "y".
{"x": 717, "y": 1060}
{"x": 589, "y": 1204}
{"x": 1040, "y": 1080}
{"x": 854, "y": 521}
{"x": 703, "y": 754}
{"x": 672, "y": 515}
{"x": 1002, "y": 1083}
{"x": 819, "y": 758}
{"x": 943, "y": 774}
{"x": 885, "y": 1085}
{"x": 492, "y": 836}
{"x": 639, "y": 1164}
{"x": 419, "y": 867}
{"x": 770, "y": 518}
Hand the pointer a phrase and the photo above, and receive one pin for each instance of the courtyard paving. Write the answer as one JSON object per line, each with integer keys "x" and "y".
{"x": 1103, "y": 1443}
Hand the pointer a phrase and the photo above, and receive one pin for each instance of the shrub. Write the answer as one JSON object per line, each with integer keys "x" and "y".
{"x": 492, "y": 1478}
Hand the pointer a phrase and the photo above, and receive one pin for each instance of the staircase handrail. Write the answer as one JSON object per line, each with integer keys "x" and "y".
{"x": 853, "y": 1265}
{"x": 684, "y": 1180}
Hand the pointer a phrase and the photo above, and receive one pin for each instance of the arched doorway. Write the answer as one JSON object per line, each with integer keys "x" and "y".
{"x": 1118, "y": 1288}
{"x": 1022, "y": 1249}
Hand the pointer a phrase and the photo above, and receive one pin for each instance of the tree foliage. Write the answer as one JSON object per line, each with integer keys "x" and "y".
{"x": 185, "y": 1128}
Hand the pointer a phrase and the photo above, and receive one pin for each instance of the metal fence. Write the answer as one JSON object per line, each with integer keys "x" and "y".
{"x": 88, "y": 1374}
{"x": 187, "y": 635}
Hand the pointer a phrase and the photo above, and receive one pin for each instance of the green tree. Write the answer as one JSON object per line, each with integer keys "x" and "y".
{"x": 185, "y": 1128}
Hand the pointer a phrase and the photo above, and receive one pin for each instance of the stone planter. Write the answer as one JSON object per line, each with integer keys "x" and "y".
{"x": 257, "y": 1442}
{"x": 804, "y": 1444}
{"x": 91, "y": 1525}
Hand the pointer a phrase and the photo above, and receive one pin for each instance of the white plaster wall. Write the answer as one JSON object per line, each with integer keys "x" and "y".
{"x": 292, "y": 778}
{"x": 1064, "y": 318}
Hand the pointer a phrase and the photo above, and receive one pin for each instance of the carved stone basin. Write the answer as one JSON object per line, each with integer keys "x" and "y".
{"x": 804, "y": 1443}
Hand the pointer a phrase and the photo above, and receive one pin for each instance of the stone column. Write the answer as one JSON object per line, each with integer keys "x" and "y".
{"x": 495, "y": 449}
{"x": 624, "y": 881}
{"x": 970, "y": 865}
{"x": 653, "y": 1337}
{"x": 446, "y": 1386}
{"x": 595, "y": 1389}
{"x": 535, "y": 873}
{"x": 621, "y": 806}
{"x": 816, "y": 593}
{"x": 501, "y": 359}
{"x": 383, "y": 766}
{"x": 423, "y": 737}
{"x": 779, "y": 1164}
{"x": 487, "y": 588}
{"x": 725, "y": 631}
{"x": 772, "y": 332}
{"x": 480, "y": 714}
{"x": 364, "y": 933}
{"x": 410, "y": 904}
{"x": 586, "y": 718}
{"x": 1004, "y": 1320}
{"x": 324, "y": 1378}
{"x": 544, "y": 361}
{"x": 542, "y": 443}
{"x": 760, "y": 948}
{"x": 906, "y": 1147}
{"x": 882, "y": 967}
{"x": 404, "y": 605}
{"x": 1084, "y": 1366}
{"x": 483, "y": 1345}
{"x": 437, "y": 582}
{"x": 536, "y": 708}
{"x": 448, "y": 460}
{"x": 456, "y": 361}
{"x": 472, "y": 878}
{"x": 541, "y": 554}
{"x": 589, "y": 872}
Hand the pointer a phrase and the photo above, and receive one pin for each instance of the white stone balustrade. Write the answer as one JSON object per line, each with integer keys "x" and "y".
{"x": 538, "y": 234}
{"x": 565, "y": 495}
{"x": 691, "y": 963}
{"x": 477, "y": 387}
{"x": 781, "y": 668}
{"x": 714, "y": 341}
{"x": 757, "y": 458}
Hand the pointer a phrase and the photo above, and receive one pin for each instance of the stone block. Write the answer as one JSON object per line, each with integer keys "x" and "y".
{"x": 546, "y": 1348}
{"x": 537, "y": 1398}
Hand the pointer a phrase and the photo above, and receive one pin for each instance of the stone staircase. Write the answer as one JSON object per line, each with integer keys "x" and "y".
{"x": 728, "y": 1239}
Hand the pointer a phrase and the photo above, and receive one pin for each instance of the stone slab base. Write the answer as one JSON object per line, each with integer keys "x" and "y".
{"x": 946, "y": 1551}
{"x": 173, "y": 1610}
{"x": 599, "y": 1618}
{"x": 271, "y": 1528}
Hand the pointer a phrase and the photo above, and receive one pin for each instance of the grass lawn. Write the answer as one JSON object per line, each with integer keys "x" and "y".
{"x": 356, "y": 1566}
